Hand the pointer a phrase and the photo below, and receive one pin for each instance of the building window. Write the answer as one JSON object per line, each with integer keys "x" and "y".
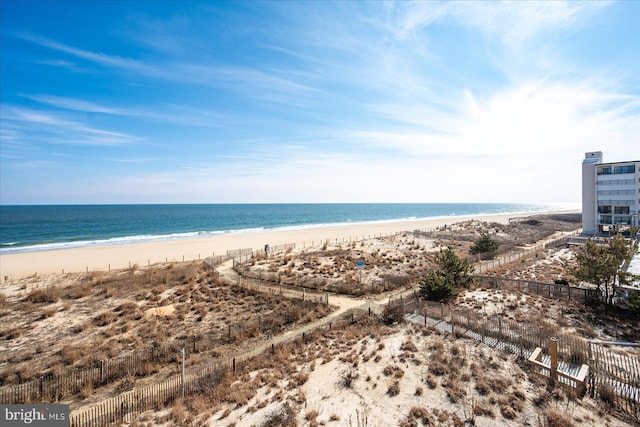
{"x": 621, "y": 210}
{"x": 623, "y": 169}
{"x": 604, "y": 171}
{"x": 604, "y": 209}
{"x": 623, "y": 220}
{"x": 605, "y": 219}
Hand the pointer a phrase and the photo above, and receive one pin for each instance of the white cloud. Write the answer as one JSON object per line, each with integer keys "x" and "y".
{"x": 422, "y": 101}
{"x": 513, "y": 22}
{"x": 62, "y": 130}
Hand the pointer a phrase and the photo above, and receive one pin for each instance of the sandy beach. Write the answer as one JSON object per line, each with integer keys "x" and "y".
{"x": 103, "y": 258}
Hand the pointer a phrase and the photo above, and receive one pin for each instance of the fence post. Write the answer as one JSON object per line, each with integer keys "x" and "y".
{"x": 453, "y": 323}
{"x": 553, "y": 350}
{"x": 468, "y": 320}
{"x": 521, "y": 339}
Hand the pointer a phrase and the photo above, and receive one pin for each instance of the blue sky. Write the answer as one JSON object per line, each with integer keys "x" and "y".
{"x": 232, "y": 102}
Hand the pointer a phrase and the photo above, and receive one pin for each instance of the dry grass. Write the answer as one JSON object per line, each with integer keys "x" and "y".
{"x": 394, "y": 388}
{"x": 47, "y": 295}
{"x": 109, "y": 313}
{"x": 273, "y": 388}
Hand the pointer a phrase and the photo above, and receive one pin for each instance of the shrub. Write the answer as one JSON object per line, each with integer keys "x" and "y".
{"x": 394, "y": 388}
{"x": 409, "y": 346}
{"x": 348, "y": 377}
{"x": 70, "y": 354}
{"x": 390, "y": 370}
{"x": 392, "y": 315}
{"x": 451, "y": 265}
{"x": 508, "y": 412}
{"x": 634, "y": 303}
{"x": 48, "y": 295}
{"x": 104, "y": 318}
{"x": 483, "y": 409}
{"x": 557, "y": 419}
{"x": 438, "y": 286}
{"x": 281, "y": 417}
{"x": 311, "y": 415}
{"x": 484, "y": 244}
{"x": 607, "y": 395}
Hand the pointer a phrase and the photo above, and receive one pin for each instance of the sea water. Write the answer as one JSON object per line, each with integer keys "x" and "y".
{"x": 37, "y": 228}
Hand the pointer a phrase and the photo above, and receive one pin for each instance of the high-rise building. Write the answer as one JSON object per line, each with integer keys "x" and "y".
{"x": 610, "y": 194}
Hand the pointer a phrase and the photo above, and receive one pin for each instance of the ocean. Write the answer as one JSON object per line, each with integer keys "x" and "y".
{"x": 39, "y": 228}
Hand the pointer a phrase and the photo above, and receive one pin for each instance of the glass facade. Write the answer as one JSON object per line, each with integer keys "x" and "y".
{"x": 608, "y": 170}
{"x": 604, "y": 171}
{"x": 621, "y": 210}
{"x": 623, "y": 169}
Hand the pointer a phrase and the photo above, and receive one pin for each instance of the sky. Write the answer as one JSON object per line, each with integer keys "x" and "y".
{"x": 312, "y": 102}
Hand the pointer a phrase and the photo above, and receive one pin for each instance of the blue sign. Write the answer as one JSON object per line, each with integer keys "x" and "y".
{"x": 360, "y": 265}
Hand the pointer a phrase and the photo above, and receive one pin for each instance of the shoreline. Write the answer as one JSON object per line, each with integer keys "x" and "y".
{"x": 119, "y": 256}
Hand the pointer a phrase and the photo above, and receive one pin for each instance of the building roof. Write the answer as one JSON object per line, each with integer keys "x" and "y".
{"x": 617, "y": 163}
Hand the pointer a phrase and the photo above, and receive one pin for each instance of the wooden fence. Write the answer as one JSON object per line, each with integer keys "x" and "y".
{"x": 242, "y": 256}
{"x": 519, "y": 254}
{"x": 54, "y": 388}
{"x": 614, "y": 376}
{"x": 558, "y": 291}
{"x": 125, "y": 407}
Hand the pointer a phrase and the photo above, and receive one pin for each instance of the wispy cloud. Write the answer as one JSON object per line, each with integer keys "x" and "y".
{"x": 511, "y": 22}
{"x": 66, "y": 131}
{"x": 172, "y": 113}
{"x": 98, "y": 58}
{"x": 235, "y": 78}
{"x": 327, "y": 101}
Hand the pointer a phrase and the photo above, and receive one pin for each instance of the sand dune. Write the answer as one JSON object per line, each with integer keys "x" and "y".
{"x": 102, "y": 258}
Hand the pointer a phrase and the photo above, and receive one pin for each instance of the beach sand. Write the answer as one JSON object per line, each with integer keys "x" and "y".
{"x": 103, "y": 258}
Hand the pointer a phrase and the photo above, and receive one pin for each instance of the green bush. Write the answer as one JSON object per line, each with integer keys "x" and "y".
{"x": 438, "y": 286}
{"x": 634, "y": 302}
{"x": 484, "y": 244}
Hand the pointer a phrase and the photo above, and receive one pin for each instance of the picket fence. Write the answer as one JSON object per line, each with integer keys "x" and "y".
{"x": 614, "y": 375}
{"x": 125, "y": 407}
{"x": 55, "y": 388}
{"x": 516, "y": 255}
{"x": 558, "y": 291}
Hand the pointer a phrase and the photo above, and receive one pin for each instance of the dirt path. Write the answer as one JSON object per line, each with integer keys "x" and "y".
{"x": 374, "y": 303}
{"x": 344, "y": 303}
